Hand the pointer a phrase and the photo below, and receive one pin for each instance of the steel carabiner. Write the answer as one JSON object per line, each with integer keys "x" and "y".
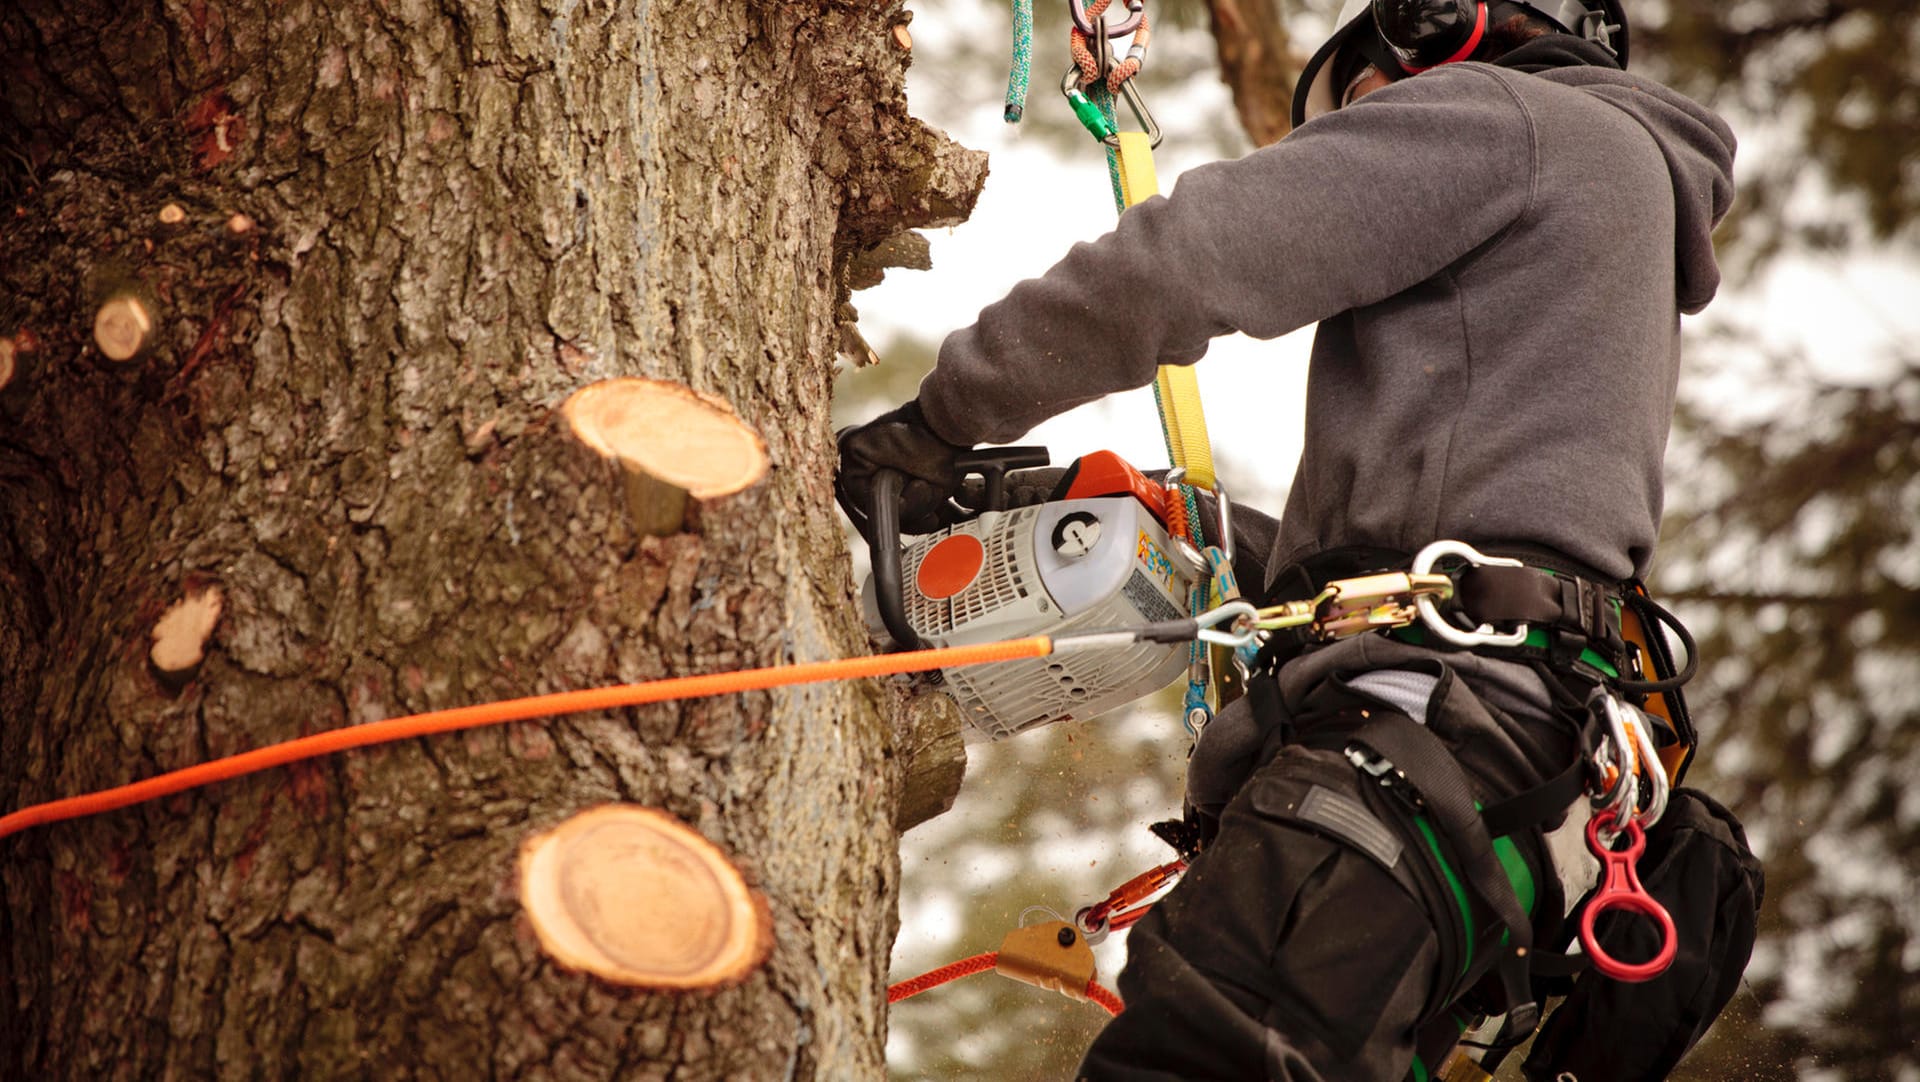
{"x": 1430, "y": 617}
{"x": 1095, "y": 122}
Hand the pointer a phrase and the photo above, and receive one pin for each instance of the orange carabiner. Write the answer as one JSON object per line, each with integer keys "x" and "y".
{"x": 1113, "y": 914}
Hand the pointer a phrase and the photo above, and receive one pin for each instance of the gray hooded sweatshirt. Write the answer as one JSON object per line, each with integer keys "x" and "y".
{"x": 1497, "y": 260}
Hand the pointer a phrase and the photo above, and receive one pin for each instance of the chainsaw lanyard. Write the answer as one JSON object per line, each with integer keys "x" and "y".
{"x": 1176, "y": 391}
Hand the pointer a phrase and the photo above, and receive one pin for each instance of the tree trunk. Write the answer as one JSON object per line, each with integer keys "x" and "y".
{"x": 1258, "y": 63}
{"x": 379, "y": 244}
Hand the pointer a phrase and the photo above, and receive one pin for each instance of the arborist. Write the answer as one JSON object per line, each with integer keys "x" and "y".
{"x": 1497, "y": 229}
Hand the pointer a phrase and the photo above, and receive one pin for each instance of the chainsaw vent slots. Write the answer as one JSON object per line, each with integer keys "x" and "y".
{"x": 998, "y": 585}
{"x": 1059, "y": 567}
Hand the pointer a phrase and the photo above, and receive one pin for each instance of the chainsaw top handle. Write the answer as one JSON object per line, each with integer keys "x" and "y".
{"x": 883, "y": 525}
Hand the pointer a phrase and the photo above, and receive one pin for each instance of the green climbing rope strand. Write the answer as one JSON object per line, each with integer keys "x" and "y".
{"x": 1102, "y": 99}
{"x": 1022, "y": 60}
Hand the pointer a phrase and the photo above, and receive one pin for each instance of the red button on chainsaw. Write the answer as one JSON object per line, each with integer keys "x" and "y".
{"x": 950, "y": 566}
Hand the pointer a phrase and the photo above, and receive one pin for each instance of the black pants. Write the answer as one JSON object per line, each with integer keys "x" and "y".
{"x": 1286, "y": 953}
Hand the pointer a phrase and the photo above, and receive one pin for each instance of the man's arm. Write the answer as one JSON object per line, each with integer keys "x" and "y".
{"x": 1347, "y": 211}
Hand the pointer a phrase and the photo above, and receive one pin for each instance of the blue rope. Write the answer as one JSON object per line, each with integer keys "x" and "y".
{"x": 1022, "y": 60}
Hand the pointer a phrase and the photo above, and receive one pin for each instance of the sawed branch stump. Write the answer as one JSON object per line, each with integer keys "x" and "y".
{"x": 635, "y": 896}
{"x": 671, "y": 441}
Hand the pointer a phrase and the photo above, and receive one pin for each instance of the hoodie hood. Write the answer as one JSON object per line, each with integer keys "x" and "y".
{"x": 1698, "y": 147}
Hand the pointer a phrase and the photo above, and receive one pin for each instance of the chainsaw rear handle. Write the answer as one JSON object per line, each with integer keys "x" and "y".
{"x": 883, "y": 526}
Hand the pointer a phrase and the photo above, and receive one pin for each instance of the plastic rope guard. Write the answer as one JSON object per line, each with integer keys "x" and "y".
{"x": 1620, "y": 889}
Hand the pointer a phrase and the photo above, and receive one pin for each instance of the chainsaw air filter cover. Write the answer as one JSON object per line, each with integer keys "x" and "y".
{"x": 1047, "y": 569}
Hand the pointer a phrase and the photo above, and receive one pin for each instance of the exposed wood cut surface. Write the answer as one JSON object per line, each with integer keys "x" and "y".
{"x": 635, "y": 896}
{"x": 673, "y": 433}
{"x": 180, "y": 636}
{"x": 120, "y": 327}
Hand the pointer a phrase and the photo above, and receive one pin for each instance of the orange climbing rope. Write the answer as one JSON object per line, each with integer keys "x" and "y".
{"x": 952, "y": 971}
{"x": 470, "y": 717}
{"x": 980, "y": 963}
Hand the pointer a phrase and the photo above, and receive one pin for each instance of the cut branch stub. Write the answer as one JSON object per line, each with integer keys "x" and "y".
{"x": 8, "y": 363}
{"x": 180, "y": 636}
{"x": 671, "y": 441}
{"x": 120, "y": 327}
{"x": 636, "y": 897}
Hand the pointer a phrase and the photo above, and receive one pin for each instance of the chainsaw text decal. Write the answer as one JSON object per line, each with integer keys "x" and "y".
{"x": 1154, "y": 560}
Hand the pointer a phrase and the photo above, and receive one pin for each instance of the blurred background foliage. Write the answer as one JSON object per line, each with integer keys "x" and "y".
{"x": 1791, "y": 547}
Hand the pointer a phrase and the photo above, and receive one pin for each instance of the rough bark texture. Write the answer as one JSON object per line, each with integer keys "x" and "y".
{"x": 410, "y": 230}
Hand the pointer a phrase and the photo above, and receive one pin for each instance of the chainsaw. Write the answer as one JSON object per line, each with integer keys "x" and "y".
{"x": 1096, "y": 553}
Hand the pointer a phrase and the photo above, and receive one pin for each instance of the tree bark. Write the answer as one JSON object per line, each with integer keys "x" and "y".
{"x": 1258, "y": 63}
{"x": 409, "y": 231}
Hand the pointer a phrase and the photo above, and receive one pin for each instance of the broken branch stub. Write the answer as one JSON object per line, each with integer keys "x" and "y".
{"x": 636, "y": 897}
{"x": 180, "y": 637}
{"x": 671, "y": 441}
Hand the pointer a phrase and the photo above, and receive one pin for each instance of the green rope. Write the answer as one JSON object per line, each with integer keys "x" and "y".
{"x": 1102, "y": 98}
{"x": 1022, "y": 60}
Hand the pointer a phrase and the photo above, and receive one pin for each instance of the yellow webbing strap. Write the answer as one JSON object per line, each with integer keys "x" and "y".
{"x": 1179, "y": 391}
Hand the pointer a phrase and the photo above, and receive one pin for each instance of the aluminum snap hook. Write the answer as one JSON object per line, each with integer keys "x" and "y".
{"x": 1649, "y": 757}
{"x": 1138, "y": 106}
{"x": 1238, "y": 615}
{"x": 1622, "y": 798}
{"x": 1430, "y": 617}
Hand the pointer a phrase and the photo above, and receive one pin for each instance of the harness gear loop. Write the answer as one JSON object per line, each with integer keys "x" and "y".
{"x": 1430, "y": 617}
{"x": 1620, "y": 889}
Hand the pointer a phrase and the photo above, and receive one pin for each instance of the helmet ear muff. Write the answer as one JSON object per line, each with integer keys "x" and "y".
{"x": 1424, "y": 34}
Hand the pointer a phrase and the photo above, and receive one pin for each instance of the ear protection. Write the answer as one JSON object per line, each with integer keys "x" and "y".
{"x": 1424, "y": 34}
{"x": 1404, "y": 37}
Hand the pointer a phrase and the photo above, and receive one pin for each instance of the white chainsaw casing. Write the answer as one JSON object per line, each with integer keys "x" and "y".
{"x": 1048, "y": 569}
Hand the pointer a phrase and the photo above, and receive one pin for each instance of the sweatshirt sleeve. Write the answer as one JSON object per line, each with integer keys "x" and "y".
{"x": 1349, "y": 209}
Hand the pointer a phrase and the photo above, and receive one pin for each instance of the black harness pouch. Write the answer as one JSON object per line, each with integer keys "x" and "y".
{"x": 1698, "y": 864}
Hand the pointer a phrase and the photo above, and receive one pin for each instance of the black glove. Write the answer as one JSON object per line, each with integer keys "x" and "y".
{"x": 901, "y": 440}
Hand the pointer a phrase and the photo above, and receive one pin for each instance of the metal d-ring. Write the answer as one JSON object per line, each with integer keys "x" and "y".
{"x": 1430, "y": 617}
